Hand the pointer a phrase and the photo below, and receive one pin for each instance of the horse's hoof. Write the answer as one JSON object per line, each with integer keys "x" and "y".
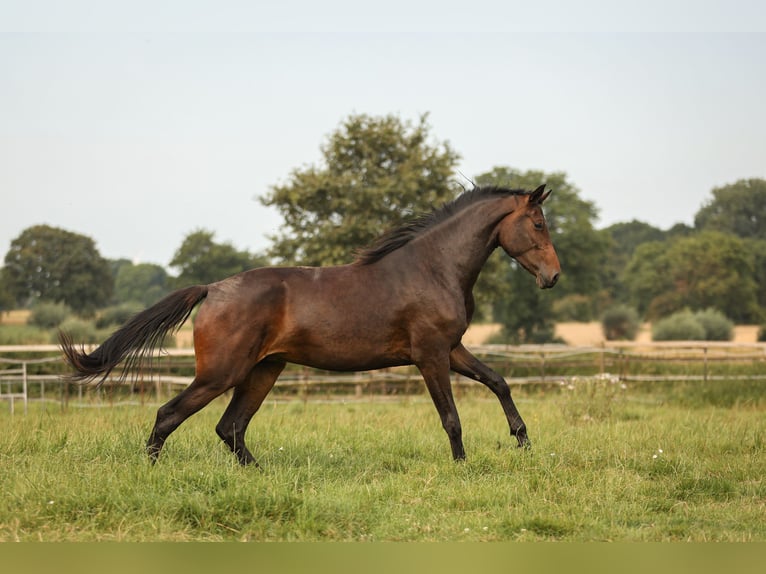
{"x": 524, "y": 443}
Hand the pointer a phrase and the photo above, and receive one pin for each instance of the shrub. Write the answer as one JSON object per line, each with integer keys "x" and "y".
{"x": 620, "y": 323}
{"x": 707, "y": 325}
{"x": 541, "y": 335}
{"x": 48, "y": 315}
{"x": 762, "y": 334}
{"x": 80, "y": 330}
{"x": 681, "y": 326}
{"x": 117, "y": 315}
{"x": 573, "y": 308}
{"x": 717, "y": 326}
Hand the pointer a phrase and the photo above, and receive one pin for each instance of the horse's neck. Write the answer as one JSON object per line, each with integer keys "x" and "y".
{"x": 463, "y": 243}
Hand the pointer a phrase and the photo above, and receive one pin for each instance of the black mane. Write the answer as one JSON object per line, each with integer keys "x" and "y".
{"x": 400, "y": 236}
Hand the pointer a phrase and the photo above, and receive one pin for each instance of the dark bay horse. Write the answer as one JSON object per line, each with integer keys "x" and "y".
{"x": 406, "y": 300}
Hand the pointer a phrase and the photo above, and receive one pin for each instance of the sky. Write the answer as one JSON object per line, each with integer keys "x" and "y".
{"x": 137, "y": 123}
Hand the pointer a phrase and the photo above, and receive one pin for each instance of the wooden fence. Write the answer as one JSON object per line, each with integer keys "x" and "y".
{"x": 35, "y": 372}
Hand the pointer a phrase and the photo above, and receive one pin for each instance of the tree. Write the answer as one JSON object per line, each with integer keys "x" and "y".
{"x": 7, "y": 300}
{"x": 757, "y": 250}
{"x": 144, "y": 283}
{"x": 52, "y": 264}
{"x": 647, "y": 277}
{"x": 525, "y": 311}
{"x": 738, "y": 208}
{"x": 202, "y": 260}
{"x": 376, "y": 173}
{"x": 624, "y": 238}
{"x": 627, "y": 236}
{"x": 705, "y": 270}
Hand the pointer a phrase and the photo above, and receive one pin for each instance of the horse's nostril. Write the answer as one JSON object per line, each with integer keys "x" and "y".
{"x": 554, "y": 279}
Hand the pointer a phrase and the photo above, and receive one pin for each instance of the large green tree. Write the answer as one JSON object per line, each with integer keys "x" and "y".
{"x": 738, "y": 208}
{"x": 7, "y": 300}
{"x": 699, "y": 271}
{"x": 376, "y": 172}
{"x": 757, "y": 250}
{"x": 525, "y": 311}
{"x": 144, "y": 283}
{"x": 627, "y": 236}
{"x": 201, "y": 260}
{"x": 52, "y": 264}
{"x": 624, "y": 238}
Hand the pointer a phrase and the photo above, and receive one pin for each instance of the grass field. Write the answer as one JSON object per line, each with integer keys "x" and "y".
{"x": 633, "y": 467}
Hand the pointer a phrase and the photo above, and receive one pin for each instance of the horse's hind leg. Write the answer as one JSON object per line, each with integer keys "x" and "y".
{"x": 170, "y": 415}
{"x": 247, "y": 399}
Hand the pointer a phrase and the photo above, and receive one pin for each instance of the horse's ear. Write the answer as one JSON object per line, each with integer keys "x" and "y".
{"x": 539, "y": 195}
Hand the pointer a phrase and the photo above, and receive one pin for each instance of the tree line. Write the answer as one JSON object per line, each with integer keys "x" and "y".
{"x": 378, "y": 172}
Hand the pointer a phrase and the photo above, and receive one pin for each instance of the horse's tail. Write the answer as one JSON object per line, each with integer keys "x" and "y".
{"x": 135, "y": 340}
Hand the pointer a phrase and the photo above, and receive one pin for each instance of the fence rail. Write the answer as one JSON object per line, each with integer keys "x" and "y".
{"x": 35, "y": 372}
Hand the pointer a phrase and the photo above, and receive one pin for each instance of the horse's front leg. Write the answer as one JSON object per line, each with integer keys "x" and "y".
{"x": 435, "y": 372}
{"x": 463, "y": 362}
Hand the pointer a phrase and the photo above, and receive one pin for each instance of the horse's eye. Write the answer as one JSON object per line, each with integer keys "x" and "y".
{"x": 538, "y": 226}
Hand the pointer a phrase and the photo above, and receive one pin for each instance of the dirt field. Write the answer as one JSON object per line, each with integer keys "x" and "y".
{"x": 14, "y": 317}
{"x": 585, "y": 334}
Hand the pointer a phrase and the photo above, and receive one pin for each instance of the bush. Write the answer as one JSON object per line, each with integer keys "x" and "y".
{"x": 80, "y": 330}
{"x": 717, "y": 326}
{"x": 48, "y": 315}
{"x": 762, "y": 334}
{"x": 620, "y": 323}
{"x": 707, "y": 325}
{"x": 540, "y": 336}
{"x": 681, "y": 326}
{"x": 117, "y": 316}
{"x": 573, "y": 308}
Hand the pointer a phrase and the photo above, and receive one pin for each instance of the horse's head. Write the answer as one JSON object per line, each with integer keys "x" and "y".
{"x": 523, "y": 234}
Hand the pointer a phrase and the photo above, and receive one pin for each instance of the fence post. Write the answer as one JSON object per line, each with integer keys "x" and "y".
{"x": 25, "y": 386}
{"x": 603, "y": 351}
{"x": 704, "y": 353}
{"x": 542, "y": 366}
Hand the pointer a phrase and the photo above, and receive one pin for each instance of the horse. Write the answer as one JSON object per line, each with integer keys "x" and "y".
{"x": 405, "y": 300}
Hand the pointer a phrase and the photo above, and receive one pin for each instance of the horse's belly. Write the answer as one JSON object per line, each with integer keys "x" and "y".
{"x": 338, "y": 351}
{"x": 342, "y": 363}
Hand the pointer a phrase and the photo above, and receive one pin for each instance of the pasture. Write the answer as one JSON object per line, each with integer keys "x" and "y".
{"x": 682, "y": 462}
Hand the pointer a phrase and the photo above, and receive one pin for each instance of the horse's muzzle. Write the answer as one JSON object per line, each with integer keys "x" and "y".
{"x": 545, "y": 281}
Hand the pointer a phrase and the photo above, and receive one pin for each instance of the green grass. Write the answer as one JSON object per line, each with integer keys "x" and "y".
{"x": 648, "y": 470}
{"x": 24, "y": 335}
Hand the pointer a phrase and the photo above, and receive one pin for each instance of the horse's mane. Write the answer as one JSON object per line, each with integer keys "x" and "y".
{"x": 400, "y": 236}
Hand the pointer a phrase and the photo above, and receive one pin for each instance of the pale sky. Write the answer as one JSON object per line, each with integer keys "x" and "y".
{"x": 135, "y": 123}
